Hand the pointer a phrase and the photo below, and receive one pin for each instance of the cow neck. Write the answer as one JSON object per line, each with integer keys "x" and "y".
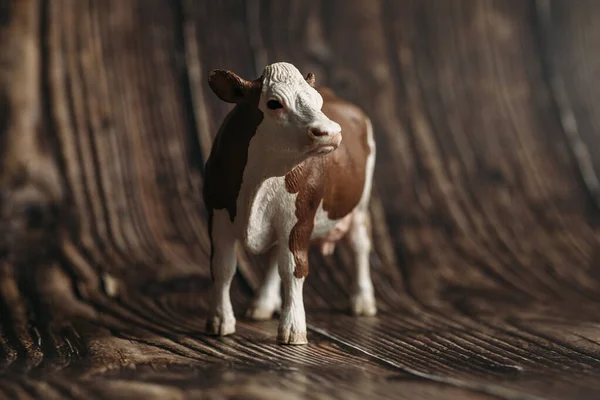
{"x": 265, "y": 162}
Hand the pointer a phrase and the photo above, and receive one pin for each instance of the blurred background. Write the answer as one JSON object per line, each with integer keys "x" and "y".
{"x": 485, "y": 202}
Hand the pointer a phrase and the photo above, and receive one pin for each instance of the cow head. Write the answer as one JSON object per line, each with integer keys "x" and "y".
{"x": 293, "y": 127}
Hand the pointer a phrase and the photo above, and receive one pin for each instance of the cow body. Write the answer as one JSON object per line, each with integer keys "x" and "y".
{"x": 262, "y": 191}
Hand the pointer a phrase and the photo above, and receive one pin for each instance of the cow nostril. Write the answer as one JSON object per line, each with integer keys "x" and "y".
{"x": 317, "y": 132}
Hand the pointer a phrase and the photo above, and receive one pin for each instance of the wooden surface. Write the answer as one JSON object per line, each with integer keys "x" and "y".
{"x": 486, "y": 200}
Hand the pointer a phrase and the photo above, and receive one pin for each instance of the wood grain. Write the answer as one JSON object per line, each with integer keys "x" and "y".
{"x": 485, "y": 209}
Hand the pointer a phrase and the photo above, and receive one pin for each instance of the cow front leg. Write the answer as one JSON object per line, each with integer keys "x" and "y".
{"x": 292, "y": 323}
{"x": 221, "y": 320}
{"x": 362, "y": 300}
{"x": 268, "y": 298}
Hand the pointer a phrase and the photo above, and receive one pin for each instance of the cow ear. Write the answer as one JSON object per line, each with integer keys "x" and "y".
{"x": 229, "y": 87}
{"x": 310, "y": 79}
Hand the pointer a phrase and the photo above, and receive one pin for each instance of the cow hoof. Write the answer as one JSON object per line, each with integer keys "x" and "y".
{"x": 289, "y": 336}
{"x": 363, "y": 304}
{"x": 218, "y": 326}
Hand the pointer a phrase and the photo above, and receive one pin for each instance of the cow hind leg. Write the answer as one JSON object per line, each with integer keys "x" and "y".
{"x": 268, "y": 298}
{"x": 362, "y": 300}
{"x": 221, "y": 320}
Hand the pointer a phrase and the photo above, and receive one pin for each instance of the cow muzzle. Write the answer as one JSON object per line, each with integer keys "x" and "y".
{"x": 324, "y": 137}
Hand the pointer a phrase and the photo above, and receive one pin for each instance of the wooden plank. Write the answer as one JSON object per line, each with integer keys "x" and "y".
{"x": 484, "y": 223}
{"x": 190, "y": 383}
{"x": 512, "y": 358}
{"x": 161, "y": 354}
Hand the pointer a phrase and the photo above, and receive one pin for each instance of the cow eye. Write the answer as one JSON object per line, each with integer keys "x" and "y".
{"x": 274, "y": 104}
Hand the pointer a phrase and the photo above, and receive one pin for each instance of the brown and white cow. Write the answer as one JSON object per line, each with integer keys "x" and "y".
{"x": 280, "y": 177}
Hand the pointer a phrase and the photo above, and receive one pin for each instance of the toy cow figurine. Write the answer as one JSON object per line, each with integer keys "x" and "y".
{"x": 280, "y": 177}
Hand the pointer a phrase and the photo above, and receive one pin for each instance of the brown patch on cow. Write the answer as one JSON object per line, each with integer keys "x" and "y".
{"x": 345, "y": 168}
{"x": 337, "y": 178}
{"x": 229, "y": 154}
{"x": 306, "y": 180}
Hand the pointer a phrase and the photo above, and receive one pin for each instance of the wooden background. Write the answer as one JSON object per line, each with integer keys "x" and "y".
{"x": 486, "y": 199}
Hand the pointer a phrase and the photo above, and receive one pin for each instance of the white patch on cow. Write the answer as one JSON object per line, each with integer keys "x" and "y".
{"x": 264, "y": 208}
{"x": 292, "y": 324}
{"x": 221, "y": 320}
{"x": 370, "y": 167}
{"x": 322, "y": 223}
{"x": 362, "y": 300}
{"x": 287, "y": 133}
